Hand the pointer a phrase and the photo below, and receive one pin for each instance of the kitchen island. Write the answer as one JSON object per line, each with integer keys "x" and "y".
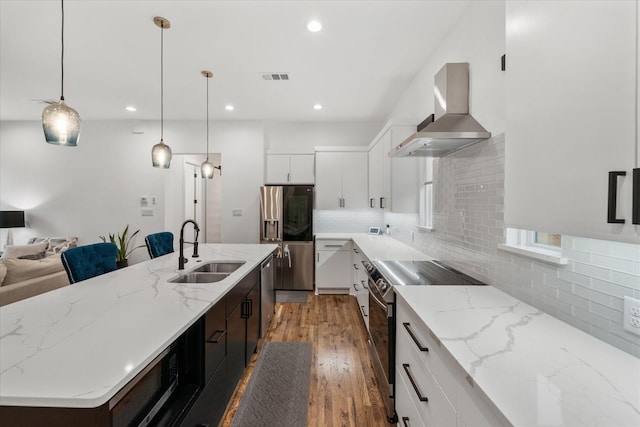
{"x": 77, "y": 346}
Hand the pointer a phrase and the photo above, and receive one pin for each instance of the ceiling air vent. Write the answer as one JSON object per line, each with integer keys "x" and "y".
{"x": 275, "y": 76}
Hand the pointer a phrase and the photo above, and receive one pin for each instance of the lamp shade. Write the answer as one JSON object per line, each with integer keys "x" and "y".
{"x": 161, "y": 155}
{"x": 11, "y": 219}
{"x": 61, "y": 124}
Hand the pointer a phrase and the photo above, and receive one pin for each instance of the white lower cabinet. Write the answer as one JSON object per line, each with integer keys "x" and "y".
{"x": 427, "y": 372}
{"x": 360, "y": 284}
{"x": 333, "y": 266}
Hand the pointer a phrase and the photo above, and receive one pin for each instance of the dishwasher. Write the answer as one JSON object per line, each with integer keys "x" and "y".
{"x": 268, "y": 294}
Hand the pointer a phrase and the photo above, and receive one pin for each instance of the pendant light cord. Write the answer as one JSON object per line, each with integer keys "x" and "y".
{"x": 162, "y": 82}
{"x": 207, "y": 118}
{"x": 62, "y": 54}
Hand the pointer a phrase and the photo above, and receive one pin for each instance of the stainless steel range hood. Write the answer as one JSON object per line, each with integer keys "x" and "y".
{"x": 453, "y": 127}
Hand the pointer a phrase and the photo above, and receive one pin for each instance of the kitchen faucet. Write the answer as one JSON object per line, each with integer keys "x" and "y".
{"x": 182, "y": 259}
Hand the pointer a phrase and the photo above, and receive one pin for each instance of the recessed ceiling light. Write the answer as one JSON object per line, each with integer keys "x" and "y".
{"x": 317, "y": 107}
{"x": 229, "y": 107}
{"x": 314, "y": 26}
{"x": 130, "y": 108}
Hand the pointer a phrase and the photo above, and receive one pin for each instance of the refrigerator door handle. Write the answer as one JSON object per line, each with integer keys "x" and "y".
{"x": 287, "y": 254}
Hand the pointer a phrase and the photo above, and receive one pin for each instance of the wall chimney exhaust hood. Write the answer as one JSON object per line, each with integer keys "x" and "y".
{"x": 453, "y": 127}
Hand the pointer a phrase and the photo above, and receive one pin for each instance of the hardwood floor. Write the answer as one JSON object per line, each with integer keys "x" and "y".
{"x": 343, "y": 390}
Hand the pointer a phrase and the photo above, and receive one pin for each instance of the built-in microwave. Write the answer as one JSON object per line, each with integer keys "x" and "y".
{"x": 161, "y": 393}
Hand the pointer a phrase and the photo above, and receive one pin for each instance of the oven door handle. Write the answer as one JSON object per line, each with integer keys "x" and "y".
{"x": 377, "y": 301}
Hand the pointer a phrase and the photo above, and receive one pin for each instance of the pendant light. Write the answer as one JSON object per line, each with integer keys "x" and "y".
{"x": 161, "y": 152}
{"x": 207, "y": 167}
{"x": 61, "y": 123}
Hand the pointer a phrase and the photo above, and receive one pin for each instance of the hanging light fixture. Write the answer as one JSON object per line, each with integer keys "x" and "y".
{"x": 61, "y": 123}
{"x": 207, "y": 167}
{"x": 161, "y": 152}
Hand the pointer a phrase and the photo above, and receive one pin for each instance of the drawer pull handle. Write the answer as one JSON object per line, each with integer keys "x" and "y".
{"x": 613, "y": 197}
{"x": 363, "y": 285}
{"x": 635, "y": 201}
{"x": 216, "y": 340}
{"x": 355, "y": 286}
{"x": 407, "y": 326}
{"x": 405, "y": 421}
{"x": 413, "y": 383}
{"x": 363, "y": 313}
{"x": 332, "y": 246}
{"x": 356, "y": 266}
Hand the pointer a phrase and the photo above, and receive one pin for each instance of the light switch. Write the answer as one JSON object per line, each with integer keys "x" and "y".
{"x": 144, "y": 201}
{"x": 237, "y": 212}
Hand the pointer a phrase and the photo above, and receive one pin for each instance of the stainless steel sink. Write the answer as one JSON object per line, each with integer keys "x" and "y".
{"x": 196, "y": 277}
{"x": 219, "y": 267}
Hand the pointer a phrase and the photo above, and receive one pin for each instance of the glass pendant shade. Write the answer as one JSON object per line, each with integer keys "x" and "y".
{"x": 161, "y": 155}
{"x": 207, "y": 169}
{"x": 61, "y": 124}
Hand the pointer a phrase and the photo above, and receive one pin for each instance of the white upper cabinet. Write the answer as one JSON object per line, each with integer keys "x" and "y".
{"x": 394, "y": 183}
{"x": 571, "y": 116}
{"x": 341, "y": 180}
{"x": 405, "y": 177}
{"x": 377, "y": 178}
{"x": 290, "y": 169}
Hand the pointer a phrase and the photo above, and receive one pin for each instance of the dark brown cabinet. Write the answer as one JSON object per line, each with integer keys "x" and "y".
{"x": 231, "y": 332}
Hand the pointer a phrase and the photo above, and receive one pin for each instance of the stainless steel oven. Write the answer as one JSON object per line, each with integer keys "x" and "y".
{"x": 383, "y": 276}
{"x": 382, "y": 336}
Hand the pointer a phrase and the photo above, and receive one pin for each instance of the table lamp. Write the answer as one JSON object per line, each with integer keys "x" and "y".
{"x": 11, "y": 219}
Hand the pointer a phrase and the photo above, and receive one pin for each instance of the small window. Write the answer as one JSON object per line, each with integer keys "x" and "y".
{"x": 426, "y": 194}
{"x": 547, "y": 239}
{"x": 535, "y": 244}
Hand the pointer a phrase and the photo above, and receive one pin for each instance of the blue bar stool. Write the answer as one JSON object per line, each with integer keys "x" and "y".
{"x": 159, "y": 244}
{"x": 85, "y": 262}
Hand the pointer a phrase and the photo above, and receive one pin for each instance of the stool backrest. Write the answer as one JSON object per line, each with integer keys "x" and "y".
{"x": 85, "y": 262}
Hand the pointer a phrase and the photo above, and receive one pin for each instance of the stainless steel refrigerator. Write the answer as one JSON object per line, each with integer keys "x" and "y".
{"x": 286, "y": 218}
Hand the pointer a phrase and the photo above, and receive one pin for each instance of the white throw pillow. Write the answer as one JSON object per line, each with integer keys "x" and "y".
{"x": 15, "y": 251}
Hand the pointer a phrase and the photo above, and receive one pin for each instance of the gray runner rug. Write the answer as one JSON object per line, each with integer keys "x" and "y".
{"x": 278, "y": 391}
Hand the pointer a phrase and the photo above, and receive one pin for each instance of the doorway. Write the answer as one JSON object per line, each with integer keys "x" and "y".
{"x": 189, "y": 196}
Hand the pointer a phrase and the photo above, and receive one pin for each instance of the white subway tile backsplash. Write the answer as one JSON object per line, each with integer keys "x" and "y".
{"x": 624, "y": 279}
{"x": 469, "y": 223}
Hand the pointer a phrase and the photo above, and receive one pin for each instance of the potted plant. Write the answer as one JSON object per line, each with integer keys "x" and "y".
{"x": 122, "y": 242}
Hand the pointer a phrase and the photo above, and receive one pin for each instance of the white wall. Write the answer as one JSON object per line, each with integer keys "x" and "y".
{"x": 301, "y": 138}
{"x": 479, "y": 39}
{"x": 94, "y": 189}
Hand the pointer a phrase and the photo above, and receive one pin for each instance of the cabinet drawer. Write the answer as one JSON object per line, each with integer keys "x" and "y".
{"x": 406, "y": 410}
{"x": 472, "y": 409}
{"x": 215, "y": 330}
{"x": 436, "y": 410}
{"x": 334, "y": 245}
{"x": 441, "y": 368}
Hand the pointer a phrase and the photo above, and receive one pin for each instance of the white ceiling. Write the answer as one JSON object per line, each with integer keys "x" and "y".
{"x": 357, "y": 67}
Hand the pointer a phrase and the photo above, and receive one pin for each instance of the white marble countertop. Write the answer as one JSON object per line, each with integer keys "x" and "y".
{"x": 78, "y": 345}
{"x": 378, "y": 247}
{"x": 532, "y": 368}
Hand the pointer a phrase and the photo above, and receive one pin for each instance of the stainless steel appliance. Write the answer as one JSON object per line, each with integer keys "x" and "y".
{"x": 162, "y": 393}
{"x": 286, "y": 218}
{"x": 383, "y": 276}
{"x": 267, "y": 297}
{"x": 451, "y": 127}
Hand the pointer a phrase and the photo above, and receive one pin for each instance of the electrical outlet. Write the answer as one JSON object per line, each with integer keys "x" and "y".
{"x": 631, "y": 316}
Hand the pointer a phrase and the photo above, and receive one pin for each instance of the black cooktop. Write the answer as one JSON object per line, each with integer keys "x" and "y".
{"x": 417, "y": 273}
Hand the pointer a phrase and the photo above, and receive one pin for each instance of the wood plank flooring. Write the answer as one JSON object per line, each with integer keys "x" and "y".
{"x": 343, "y": 389}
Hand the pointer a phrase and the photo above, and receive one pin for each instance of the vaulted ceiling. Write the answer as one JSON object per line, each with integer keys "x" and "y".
{"x": 357, "y": 67}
